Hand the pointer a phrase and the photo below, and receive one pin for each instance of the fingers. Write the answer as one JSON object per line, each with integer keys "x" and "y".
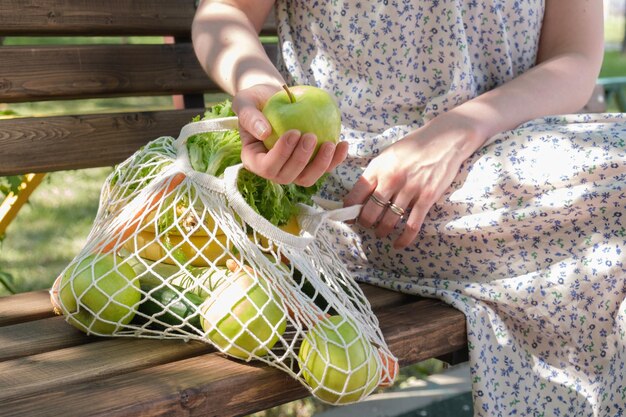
{"x": 384, "y": 208}
{"x": 290, "y": 158}
{"x": 247, "y": 104}
{"x": 294, "y": 166}
{"x": 341, "y": 152}
{"x": 413, "y": 224}
{"x": 268, "y": 164}
{"x": 373, "y": 195}
{"x": 394, "y": 213}
{"x": 361, "y": 190}
{"x": 327, "y": 158}
{"x": 254, "y": 122}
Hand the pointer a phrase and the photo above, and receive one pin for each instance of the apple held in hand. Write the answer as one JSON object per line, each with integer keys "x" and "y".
{"x": 243, "y": 316}
{"x": 305, "y": 108}
{"x": 99, "y": 294}
{"x": 338, "y": 362}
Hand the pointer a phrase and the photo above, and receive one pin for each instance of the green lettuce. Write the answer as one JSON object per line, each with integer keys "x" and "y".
{"x": 276, "y": 202}
{"x": 213, "y": 152}
{"x": 223, "y": 109}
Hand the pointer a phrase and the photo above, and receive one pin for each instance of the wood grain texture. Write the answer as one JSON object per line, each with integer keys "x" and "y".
{"x": 92, "y": 361}
{"x": 44, "y": 144}
{"x": 23, "y": 307}
{"x": 206, "y": 385}
{"x": 380, "y": 298}
{"x": 92, "y": 71}
{"x": 210, "y": 385}
{"x": 104, "y": 18}
{"x": 424, "y": 329}
{"x": 88, "y": 71}
{"x": 31, "y": 338}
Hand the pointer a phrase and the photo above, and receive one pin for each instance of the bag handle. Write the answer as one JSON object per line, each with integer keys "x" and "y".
{"x": 210, "y": 125}
{"x": 336, "y": 211}
{"x": 310, "y": 219}
{"x": 183, "y": 163}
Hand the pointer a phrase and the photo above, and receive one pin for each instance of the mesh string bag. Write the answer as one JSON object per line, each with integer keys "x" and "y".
{"x": 177, "y": 253}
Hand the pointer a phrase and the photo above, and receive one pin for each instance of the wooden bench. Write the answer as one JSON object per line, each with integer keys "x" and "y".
{"x": 46, "y": 366}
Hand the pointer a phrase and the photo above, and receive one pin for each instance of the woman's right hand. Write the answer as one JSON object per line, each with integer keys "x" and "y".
{"x": 288, "y": 161}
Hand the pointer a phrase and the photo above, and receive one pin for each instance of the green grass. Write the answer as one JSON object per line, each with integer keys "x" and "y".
{"x": 51, "y": 229}
{"x": 614, "y": 29}
{"x": 90, "y": 106}
{"x": 614, "y": 64}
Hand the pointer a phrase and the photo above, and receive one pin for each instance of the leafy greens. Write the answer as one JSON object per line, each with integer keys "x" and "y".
{"x": 213, "y": 152}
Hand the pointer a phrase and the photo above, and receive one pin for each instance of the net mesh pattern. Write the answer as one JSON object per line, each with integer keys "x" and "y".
{"x": 175, "y": 253}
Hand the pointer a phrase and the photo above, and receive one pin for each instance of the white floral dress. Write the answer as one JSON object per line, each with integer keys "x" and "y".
{"x": 529, "y": 241}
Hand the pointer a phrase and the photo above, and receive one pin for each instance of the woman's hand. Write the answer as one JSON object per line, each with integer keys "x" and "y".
{"x": 288, "y": 161}
{"x": 408, "y": 177}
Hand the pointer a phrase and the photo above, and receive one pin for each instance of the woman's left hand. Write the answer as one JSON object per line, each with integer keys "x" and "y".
{"x": 408, "y": 177}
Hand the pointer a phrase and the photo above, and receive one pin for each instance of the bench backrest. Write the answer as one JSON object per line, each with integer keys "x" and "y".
{"x": 80, "y": 71}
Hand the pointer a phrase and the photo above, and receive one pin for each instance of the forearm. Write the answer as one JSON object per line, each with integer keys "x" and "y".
{"x": 228, "y": 48}
{"x": 568, "y": 62}
{"x": 559, "y": 85}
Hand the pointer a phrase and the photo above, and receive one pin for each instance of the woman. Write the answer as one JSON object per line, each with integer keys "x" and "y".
{"x": 470, "y": 193}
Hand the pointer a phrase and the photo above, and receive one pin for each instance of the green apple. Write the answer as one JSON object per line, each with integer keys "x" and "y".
{"x": 243, "y": 316}
{"x": 338, "y": 362}
{"x": 99, "y": 294}
{"x": 305, "y": 108}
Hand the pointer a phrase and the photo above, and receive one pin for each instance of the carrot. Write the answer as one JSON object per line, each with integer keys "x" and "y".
{"x": 131, "y": 225}
{"x": 390, "y": 369}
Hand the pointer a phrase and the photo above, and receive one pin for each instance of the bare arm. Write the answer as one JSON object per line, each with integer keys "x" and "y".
{"x": 426, "y": 161}
{"x": 225, "y": 39}
{"x": 568, "y": 63}
{"x": 226, "y": 42}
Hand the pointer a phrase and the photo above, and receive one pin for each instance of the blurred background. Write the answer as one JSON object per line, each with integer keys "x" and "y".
{"x": 52, "y": 226}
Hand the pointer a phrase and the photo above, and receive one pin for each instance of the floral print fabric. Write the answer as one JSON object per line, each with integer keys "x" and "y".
{"x": 529, "y": 239}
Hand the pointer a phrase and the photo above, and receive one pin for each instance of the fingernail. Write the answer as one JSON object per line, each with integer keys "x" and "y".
{"x": 292, "y": 138}
{"x": 261, "y": 129}
{"x": 309, "y": 143}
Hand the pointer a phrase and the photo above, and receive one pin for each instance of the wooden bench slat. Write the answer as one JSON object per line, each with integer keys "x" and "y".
{"x": 26, "y": 339}
{"x": 93, "y": 71}
{"x": 35, "y": 305}
{"x": 38, "y": 336}
{"x": 112, "y": 17}
{"x": 107, "y": 357}
{"x": 88, "y": 71}
{"x": 380, "y": 298}
{"x": 424, "y": 329}
{"x": 45, "y": 144}
{"x": 23, "y": 307}
{"x": 102, "y": 18}
{"x": 204, "y": 385}
{"x": 199, "y": 386}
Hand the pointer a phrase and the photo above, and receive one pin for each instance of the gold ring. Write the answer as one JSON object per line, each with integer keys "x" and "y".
{"x": 378, "y": 201}
{"x": 396, "y": 209}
